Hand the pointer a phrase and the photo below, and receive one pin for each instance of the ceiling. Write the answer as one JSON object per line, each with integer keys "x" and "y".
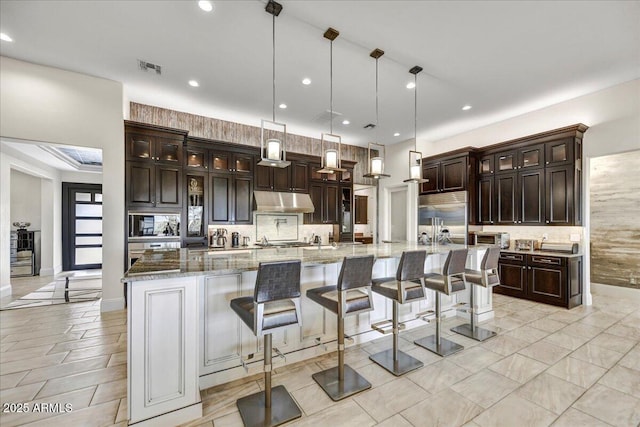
{"x": 502, "y": 58}
{"x": 60, "y": 157}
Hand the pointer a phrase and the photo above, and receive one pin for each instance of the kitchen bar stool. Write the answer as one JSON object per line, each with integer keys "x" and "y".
{"x": 450, "y": 281}
{"x": 274, "y": 306}
{"x": 351, "y": 296}
{"x": 487, "y": 277}
{"x": 407, "y": 286}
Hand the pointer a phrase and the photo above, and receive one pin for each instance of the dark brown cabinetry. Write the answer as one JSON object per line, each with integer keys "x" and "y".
{"x": 361, "y": 209}
{"x": 293, "y": 178}
{"x": 149, "y": 147}
{"x": 325, "y": 201}
{"x": 553, "y": 280}
{"x": 194, "y": 232}
{"x": 445, "y": 175}
{"x": 231, "y": 198}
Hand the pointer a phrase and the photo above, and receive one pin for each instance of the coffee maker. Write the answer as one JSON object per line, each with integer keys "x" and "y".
{"x": 235, "y": 239}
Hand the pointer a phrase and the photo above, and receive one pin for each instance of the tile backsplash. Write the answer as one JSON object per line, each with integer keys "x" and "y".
{"x": 554, "y": 234}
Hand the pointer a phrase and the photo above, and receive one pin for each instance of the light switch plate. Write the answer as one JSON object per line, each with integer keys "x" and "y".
{"x": 574, "y": 237}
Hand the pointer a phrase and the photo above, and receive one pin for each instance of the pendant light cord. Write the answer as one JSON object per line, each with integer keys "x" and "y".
{"x": 415, "y": 112}
{"x": 273, "y": 26}
{"x": 331, "y": 87}
{"x": 377, "y": 117}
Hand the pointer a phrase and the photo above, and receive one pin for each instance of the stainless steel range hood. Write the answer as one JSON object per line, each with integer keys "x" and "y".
{"x": 270, "y": 201}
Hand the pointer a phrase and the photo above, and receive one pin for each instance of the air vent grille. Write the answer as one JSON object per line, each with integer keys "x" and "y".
{"x": 146, "y": 66}
{"x": 370, "y": 126}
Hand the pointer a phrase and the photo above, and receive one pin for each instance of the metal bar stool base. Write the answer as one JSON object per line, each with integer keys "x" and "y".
{"x": 445, "y": 348}
{"x": 352, "y": 383}
{"x": 404, "y": 364}
{"x": 283, "y": 408}
{"x": 476, "y": 333}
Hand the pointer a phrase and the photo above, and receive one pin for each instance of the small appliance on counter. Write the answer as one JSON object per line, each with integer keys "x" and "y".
{"x": 245, "y": 240}
{"x": 567, "y": 248}
{"x": 492, "y": 238}
{"x": 235, "y": 239}
{"x": 218, "y": 239}
{"x": 527, "y": 245}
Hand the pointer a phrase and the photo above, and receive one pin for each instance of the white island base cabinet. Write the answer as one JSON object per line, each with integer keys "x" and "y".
{"x": 162, "y": 358}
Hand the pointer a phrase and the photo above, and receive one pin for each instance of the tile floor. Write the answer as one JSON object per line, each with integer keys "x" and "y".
{"x": 548, "y": 366}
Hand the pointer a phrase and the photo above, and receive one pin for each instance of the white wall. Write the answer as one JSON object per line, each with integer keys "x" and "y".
{"x": 25, "y": 199}
{"x": 47, "y": 104}
{"x": 613, "y": 117}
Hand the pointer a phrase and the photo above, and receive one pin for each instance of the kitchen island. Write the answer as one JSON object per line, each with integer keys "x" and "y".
{"x": 183, "y": 336}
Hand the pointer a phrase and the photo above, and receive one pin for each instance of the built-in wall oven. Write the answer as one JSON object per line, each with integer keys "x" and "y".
{"x": 136, "y": 249}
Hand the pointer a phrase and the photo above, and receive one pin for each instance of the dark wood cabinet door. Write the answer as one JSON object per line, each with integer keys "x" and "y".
{"x": 221, "y": 200}
{"x": 243, "y": 200}
{"x": 506, "y": 161}
{"x": 506, "y": 198}
{"x": 531, "y": 157}
{"x": 361, "y": 213}
{"x": 513, "y": 279}
{"x": 263, "y": 178}
{"x": 168, "y": 186}
{"x": 220, "y": 162}
{"x": 316, "y": 192}
{"x": 454, "y": 174}
{"x": 196, "y": 189}
{"x": 559, "y": 203}
{"x": 168, "y": 151}
{"x": 430, "y": 172}
{"x": 141, "y": 184}
{"x": 140, "y": 147}
{"x": 559, "y": 152}
{"x": 486, "y": 165}
{"x": 242, "y": 164}
{"x": 299, "y": 177}
{"x": 331, "y": 204}
{"x": 282, "y": 179}
{"x": 532, "y": 197}
{"x": 547, "y": 280}
{"x": 486, "y": 200}
{"x": 196, "y": 159}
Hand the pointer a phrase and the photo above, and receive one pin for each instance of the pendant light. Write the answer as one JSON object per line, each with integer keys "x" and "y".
{"x": 375, "y": 165}
{"x": 415, "y": 156}
{"x": 272, "y": 149}
{"x": 331, "y": 157}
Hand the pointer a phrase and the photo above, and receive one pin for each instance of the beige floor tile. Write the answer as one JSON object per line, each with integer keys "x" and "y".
{"x": 485, "y": 388}
{"x": 389, "y": 399}
{"x": 11, "y": 380}
{"x": 565, "y": 316}
{"x": 438, "y": 376}
{"x": 23, "y": 393}
{"x": 112, "y": 390}
{"x": 122, "y": 411}
{"x": 504, "y": 345}
{"x": 475, "y": 359}
{"x": 527, "y": 315}
{"x": 52, "y": 339}
{"x": 77, "y": 400}
{"x": 65, "y": 369}
{"x": 576, "y": 371}
{"x": 293, "y": 379}
{"x": 625, "y": 331}
{"x": 544, "y": 352}
{"x": 597, "y": 355}
{"x": 98, "y": 350}
{"x": 610, "y": 406}
{"x": 97, "y": 416}
{"x": 515, "y": 411}
{"x": 632, "y": 359}
{"x": 83, "y": 343}
{"x": 447, "y": 408}
{"x": 573, "y": 418}
{"x": 505, "y": 323}
{"x": 424, "y": 355}
{"x": 118, "y": 359}
{"x": 101, "y": 324}
{"x": 548, "y": 325}
{"x": 583, "y": 330}
{"x": 221, "y": 400}
{"x": 6, "y": 346}
{"x": 104, "y": 331}
{"x": 465, "y": 341}
{"x": 395, "y": 421}
{"x": 613, "y": 342}
{"x": 25, "y": 353}
{"x": 518, "y": 368}
{"x": 353, "y": 357}
{"x": 33, "y": 363}
{"x": 528, "y": 334}
{"x": 85, "y": 379}
{"x": 385, "y": 343}
{"x": 623, "y": 379}
{"x": 564, "y": 340}
{"x": 312, "y": 399}
{"x": 348, "y": 414}
{"x": 551, "y": 393}
{"x": 36, "y": 334}
{"x": 230, "y": 420}
{"x": 601, "y": 319}
{"x": 375, "y": 374}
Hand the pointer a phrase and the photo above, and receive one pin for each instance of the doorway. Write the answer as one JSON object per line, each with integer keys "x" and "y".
{"x": 81, "y": 226}
{"x": 398, "y": 214}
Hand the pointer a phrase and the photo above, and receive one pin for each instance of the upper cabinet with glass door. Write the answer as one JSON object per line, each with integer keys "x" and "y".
{"x": 154, "y": 144}
{"x": 560, "y": 152}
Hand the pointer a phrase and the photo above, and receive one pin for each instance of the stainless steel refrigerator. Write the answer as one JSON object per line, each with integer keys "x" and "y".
{"x": 443, "y": 218}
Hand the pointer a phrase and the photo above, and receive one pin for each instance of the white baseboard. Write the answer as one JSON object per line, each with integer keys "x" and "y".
{"x": 615, "y": 291}
{"x": 5, "y": 291}
{"x": 47, "y": 271}
{"x": 112, "y": 304}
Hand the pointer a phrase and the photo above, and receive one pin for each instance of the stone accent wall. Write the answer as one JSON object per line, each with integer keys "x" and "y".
{"x": 615, "y": 229}
{"x": 221, "y": 130}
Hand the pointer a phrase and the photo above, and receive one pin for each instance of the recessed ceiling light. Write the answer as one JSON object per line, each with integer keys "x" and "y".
{"x": 345, "y": 122}
{"x": 283, "y": 106}
{"x": 466, "y": 107}
{"x": 5, "y": 37}
{"x": 396, "y": 134}
{"x": 411, "y": 85}
{"x": 205, "y": 5}
{"x": 306, "y": 81}
{"x": 193, "y": 83}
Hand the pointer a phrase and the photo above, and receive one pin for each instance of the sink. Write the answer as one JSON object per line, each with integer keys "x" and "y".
{"x": 315, "y": 248}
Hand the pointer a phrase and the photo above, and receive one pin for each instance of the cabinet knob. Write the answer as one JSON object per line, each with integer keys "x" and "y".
{"x": 519, "y": 222}
{"x": 491, "y": 171}
{"x": 524, "y": 268}
{"x": 547, "y": 163}
{"x": 491, "y": 222}
{"x": 515, "y": 222}
{"x": 547, "y": 222}
{"x": 519, "y": 167}
{"x": 529, "y": 268}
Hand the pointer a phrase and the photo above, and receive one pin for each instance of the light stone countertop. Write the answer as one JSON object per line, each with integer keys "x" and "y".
{"x": 166, "y": 263}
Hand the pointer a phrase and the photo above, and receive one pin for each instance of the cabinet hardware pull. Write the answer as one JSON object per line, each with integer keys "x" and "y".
{"x": 547, "y": 222}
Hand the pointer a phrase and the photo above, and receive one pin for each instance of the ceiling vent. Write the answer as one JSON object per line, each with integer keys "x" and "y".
{"x": 146, "y": 66}
{"x": 370, "y": 126}
{"x": 326, "y": 116}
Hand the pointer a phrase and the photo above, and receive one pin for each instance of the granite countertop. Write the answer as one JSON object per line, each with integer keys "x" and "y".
{"x": 543, "y": 253}
{"x": 167, "y": 263}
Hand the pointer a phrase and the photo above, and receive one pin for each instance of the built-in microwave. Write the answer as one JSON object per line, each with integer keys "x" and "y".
{"x": 154, "y": 224}
{"x": 492, "y": 238}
